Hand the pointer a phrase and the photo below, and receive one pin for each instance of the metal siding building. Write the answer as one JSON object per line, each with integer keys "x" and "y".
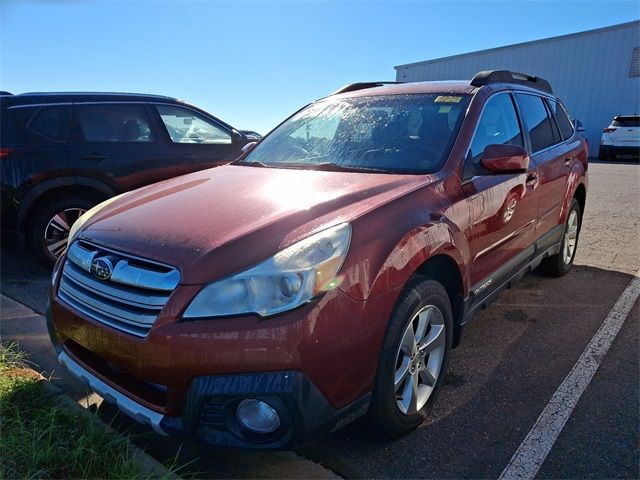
{"x": 595, "y": 73}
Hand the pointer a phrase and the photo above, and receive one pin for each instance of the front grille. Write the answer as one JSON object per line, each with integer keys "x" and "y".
{"x": 129, "y": 300}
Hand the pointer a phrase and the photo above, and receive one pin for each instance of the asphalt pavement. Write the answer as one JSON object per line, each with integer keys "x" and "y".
{"x": 513, "y": 357}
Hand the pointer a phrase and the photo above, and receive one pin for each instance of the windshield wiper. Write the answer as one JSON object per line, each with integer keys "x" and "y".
{"x": 251, "y": 164}
{"x": 330, "y": 167}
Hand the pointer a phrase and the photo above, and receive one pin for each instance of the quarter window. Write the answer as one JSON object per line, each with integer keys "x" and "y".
{"x": 537, "y": 121}
{"x": 114, "y": 123}
{"x": 565, "y": 125}
{"x": 186, "y": 126}
{"x": 498, "y": 125}
{"x": 50, "y": 123}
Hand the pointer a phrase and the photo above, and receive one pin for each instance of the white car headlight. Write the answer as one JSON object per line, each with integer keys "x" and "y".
{"x": 285, "y": 281}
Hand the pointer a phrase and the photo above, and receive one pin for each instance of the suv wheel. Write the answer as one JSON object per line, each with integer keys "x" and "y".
{"x": 414, "y": 357}
{"x": 50, "y": 226}
{"x": 560, "y": 264}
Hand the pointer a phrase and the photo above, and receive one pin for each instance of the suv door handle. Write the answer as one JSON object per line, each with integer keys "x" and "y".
{"x": 95, "y": 157}
{"x": 532, "y": 180}
{"x": 567, "y": 161}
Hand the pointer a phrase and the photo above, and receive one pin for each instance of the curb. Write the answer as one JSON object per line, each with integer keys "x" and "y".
{"x": 147, "y": 463}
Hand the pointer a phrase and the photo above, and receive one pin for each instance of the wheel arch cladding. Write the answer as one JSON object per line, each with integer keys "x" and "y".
{"x": 443, "y": 269}
{"x": 57, "y": 188}
{"x": 581, "y": 195}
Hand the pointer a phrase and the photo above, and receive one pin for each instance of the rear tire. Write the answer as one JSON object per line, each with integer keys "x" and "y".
{"x": 49, "y": 227}
{"x": 414, "y": 357}
{"x": 559, "y": 265}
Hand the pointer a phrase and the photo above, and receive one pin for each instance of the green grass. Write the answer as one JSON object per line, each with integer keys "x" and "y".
{"x": 41, "y": 440}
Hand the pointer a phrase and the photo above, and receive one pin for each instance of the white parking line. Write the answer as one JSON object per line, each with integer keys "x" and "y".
{"x": 532, "y": 452}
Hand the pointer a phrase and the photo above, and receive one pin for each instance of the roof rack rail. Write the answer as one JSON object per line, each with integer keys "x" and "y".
{"x": 352, "y": 87}
{"x": 506, "y": 76}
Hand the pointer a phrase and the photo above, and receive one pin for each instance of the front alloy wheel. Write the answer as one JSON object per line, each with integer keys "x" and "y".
{"x": 419, "y": 359}
{"x": 57, "y": 230}
{"x": 49, "y": 226}
{"x": 413, "y": 358}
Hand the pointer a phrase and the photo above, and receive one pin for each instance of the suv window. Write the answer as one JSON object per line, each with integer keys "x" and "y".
{"x": 498, "y": 124}
{"x": 49, "y": 124}
{"x": 114, "y": 123}
{"x": 626, "y": 122}
{"x": 537, "y": 121}
{"x": 565, "y": 125}
{"x": 186, "y": 126}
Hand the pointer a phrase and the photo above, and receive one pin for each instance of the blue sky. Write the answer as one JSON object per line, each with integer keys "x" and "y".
{"x": 254, "y": 63}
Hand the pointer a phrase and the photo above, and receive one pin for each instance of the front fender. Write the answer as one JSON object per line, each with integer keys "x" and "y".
{"x": 379, "y": 274}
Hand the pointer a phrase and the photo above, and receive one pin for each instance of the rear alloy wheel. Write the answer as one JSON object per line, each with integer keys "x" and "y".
{"x": 560, "y": 264}
{"x": 414, "y": 357}
{"x": 49, "y": 230}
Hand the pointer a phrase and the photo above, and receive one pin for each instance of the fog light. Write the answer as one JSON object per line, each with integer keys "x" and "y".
{"x": 257, "y": 416}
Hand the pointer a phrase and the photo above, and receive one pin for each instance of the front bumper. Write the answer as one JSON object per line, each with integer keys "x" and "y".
{"x": 315, "y": 366}
{"x": 209, "y": 415}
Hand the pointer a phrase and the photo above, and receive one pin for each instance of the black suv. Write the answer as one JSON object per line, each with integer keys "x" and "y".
{"x": 62, "y": 153}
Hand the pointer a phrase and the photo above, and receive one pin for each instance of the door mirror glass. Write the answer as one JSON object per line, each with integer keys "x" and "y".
{"x": 248, "y": 147}
{"x": 505, "y": 159}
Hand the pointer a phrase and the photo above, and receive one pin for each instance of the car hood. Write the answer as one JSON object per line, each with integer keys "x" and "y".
{"x": 216, "y": 222}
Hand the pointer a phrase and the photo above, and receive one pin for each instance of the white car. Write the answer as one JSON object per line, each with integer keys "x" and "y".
{"x": 622, "y": 137}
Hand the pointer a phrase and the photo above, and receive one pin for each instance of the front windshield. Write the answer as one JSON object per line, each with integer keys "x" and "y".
{"x": 390, "y": 133}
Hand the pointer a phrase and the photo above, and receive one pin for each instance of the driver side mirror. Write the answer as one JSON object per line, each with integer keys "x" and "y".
{"x": 505, "y": 159}
{"x": 579, "y": 126}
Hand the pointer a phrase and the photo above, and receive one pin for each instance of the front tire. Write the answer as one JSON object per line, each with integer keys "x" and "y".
{"x": 559, "y": 265}
{"x": 49, "y": 227}
{"x": 414, "y": 357}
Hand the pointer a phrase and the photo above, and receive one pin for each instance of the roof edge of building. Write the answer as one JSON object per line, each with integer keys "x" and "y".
{"x": 522, "y": 44}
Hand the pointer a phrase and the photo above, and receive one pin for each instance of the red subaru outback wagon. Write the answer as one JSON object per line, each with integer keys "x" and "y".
{"x": 329, "y": 271}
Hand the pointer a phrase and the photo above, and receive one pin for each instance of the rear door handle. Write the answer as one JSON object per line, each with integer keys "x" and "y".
{"x": 532, "y": 180}
{"x": 95, "y": 157}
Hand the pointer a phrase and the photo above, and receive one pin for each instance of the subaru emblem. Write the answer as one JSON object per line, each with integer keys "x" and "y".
{"x": 101, "y": 268}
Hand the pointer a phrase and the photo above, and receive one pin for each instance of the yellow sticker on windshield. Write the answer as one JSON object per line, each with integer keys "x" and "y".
{"x": 444, "y": 109}
{"x": 447, "y": 99}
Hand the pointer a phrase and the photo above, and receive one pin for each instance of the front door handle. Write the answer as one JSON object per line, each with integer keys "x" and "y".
{"x": 567, "y": 162}
{"x": 95, "y": 157}
{"x": 532, "y": 180}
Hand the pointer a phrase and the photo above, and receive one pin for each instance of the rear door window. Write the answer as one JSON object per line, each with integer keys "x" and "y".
{"x": 498, "y": 125}
{"x": 564, "y": 124}
{"x": 114, "y": 123}
{"x": 38, "y": 125}
{"x": 187, "y": 126}
{"x": 537, "y": 122}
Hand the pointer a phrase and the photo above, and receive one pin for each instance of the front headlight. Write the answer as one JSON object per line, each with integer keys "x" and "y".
{"x": 290, "y": 278}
